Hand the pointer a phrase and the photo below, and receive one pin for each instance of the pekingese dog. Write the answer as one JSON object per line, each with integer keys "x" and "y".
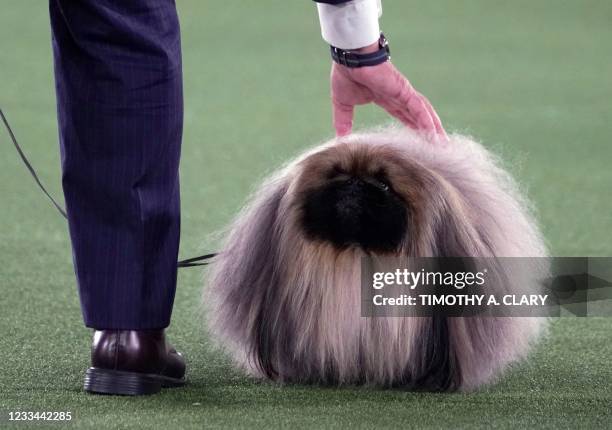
{"x": 283, "y": 295}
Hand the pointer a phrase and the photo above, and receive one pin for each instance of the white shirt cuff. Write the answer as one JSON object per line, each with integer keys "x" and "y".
{"x": 350, "y": 25}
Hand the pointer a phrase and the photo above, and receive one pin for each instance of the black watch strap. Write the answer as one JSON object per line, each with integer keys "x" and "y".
{"x": 352, "y": 59}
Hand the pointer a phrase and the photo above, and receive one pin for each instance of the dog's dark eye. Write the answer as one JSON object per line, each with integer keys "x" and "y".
{"x": 383, "y": 185}
{"x": 380, "y": 181}
{"x": 380, "y": 184}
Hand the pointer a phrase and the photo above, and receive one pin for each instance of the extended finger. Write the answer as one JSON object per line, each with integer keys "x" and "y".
{"x": 413, "y": 106}
{"x": 399, "y": 92}
{"x": 434, "y": 116}
{"x": 342, "y": 118}
{"x": 398, "y": 113}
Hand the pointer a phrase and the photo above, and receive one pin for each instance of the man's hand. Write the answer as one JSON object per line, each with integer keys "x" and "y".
{"x": 387, "y": 87}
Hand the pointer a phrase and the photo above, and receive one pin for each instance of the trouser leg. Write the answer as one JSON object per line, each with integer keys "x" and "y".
{"x": 120, "y": 112}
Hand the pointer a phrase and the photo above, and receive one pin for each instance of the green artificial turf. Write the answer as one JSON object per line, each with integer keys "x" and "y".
{"x": 531, "y": 79}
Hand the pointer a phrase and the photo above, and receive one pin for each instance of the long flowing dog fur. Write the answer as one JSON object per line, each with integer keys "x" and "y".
{"x": 288, "y": 308}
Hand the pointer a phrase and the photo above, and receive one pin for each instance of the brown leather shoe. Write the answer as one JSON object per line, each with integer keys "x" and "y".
{"x": 133, "y": 362}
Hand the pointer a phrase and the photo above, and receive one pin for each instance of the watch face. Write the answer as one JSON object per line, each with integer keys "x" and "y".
{"x": 384, "y": 43}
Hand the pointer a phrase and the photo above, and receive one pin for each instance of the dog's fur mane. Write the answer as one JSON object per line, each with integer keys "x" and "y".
{"x": 289, "y": 309}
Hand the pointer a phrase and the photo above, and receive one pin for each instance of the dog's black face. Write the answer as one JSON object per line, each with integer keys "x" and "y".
{"x": 353, "y": 209}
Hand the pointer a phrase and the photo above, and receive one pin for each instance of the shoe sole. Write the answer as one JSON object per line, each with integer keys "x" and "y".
{"x": 106, "y": 381}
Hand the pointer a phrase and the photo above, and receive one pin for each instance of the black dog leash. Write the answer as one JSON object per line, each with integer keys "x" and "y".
{"x": 202, "y": 260}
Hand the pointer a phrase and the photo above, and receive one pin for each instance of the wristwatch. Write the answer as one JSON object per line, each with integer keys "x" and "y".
{"x": 352, "y": 59}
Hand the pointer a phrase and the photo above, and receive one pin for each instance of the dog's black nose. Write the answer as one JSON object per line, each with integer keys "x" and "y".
{"x": 352, "y": 190}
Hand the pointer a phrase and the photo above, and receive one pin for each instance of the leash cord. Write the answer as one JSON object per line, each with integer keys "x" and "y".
{"x": 201, "y": 260}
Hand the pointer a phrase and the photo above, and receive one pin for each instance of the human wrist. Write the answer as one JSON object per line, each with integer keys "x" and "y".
{"x": 371, "y": 54}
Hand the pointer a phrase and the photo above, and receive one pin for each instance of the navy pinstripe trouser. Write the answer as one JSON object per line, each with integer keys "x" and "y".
{"x": 120, "y": 112}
